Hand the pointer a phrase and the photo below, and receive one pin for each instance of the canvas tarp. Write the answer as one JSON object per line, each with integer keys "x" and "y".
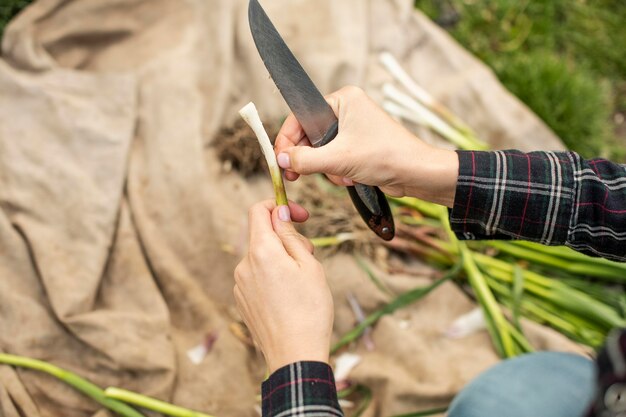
{"x": 114, "y": 210}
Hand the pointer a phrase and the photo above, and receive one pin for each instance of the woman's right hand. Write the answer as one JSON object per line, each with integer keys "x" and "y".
{"x": 372, "y": 149}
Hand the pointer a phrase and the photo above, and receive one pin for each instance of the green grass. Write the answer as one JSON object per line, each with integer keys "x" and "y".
{"x": 8, "y": 9}
{"x": 572, "y": 103}
{"x": 564, "y": 58}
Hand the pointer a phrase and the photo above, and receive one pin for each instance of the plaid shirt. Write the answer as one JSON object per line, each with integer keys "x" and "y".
{"x": 555, "y": 198}
{"x": 301, "y": 389}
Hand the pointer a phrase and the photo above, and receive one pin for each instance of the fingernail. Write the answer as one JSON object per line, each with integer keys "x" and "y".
{"x": 283, "y": 160}
{"x": 347, "y": 181}
{"x": 284, "y": 214}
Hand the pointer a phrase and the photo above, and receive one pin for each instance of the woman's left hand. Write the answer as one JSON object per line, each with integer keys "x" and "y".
{"x": 281, "y": 290}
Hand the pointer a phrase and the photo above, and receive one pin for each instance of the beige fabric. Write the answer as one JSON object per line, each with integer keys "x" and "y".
{"x": 414, "y": 366}
{"x": 114, "y": 211}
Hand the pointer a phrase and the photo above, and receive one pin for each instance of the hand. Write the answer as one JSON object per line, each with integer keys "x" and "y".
{"x": 281, "y": 289}
{"x": 371, "y": 148}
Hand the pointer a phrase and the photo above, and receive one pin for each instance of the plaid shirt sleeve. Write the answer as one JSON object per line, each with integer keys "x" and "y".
{"x": 301, "y": 389}
{"x": 555, "y": 198}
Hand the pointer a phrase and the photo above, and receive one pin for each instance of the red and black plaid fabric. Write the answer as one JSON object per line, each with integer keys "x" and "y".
{"x": 301, "y": 389}
{"x": 555, "y": 198}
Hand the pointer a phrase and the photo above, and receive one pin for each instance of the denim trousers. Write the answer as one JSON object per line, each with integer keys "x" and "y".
{"x": 544, "y": 384}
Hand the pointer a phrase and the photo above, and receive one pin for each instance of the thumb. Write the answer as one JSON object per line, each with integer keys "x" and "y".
{"x": 306, "y": 160}
{"x": 296, "y": 245}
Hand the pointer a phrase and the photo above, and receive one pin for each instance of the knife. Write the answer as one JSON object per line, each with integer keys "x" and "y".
{"x": 313, "y": 112}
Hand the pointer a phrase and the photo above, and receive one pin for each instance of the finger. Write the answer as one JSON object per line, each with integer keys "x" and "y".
{"x": 298, "y": 213}
{"x": 304, "y": 142}
{"x": 333, "y": 100}
{"x": 296, "y": 245}
{"x": 290, "y": 134}
{"x": 342, "y": 97}
{"x": 291, "y": 176}
{"x": 260, "y": 230}
{"x": 260, "y": 223}
{"x": 305, "y": 160}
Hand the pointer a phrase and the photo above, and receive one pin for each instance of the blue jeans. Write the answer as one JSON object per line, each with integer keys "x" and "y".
{"x": 545, "y": 384}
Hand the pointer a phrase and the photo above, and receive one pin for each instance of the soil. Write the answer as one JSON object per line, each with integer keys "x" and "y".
{"x": 238, "y": 149}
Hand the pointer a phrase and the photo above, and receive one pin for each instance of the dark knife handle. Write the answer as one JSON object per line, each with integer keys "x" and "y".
{"x": 369, "y": 201}
{"x": 374, "y": 209}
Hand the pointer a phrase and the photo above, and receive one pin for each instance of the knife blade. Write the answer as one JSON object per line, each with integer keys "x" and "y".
{"x": 313, "y": 112}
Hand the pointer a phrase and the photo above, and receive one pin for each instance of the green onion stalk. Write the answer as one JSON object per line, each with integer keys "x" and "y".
{"x": 496, "y": 322}
{"x": 570, "y": 254}
{"x": 508, "y": 340}
{"x": 572, "y": 326}
{"x": 150, "y": 403}
{"x": 585, "y": 267}
{"x": 70, "y": 378}
{"x": 330, "y": 241}
{"x": 517, "y": 295}
{"x": 424, "y": 97}
{"x": 250, "y": 115}
{"x": 403, "y": 106}
{"x": 610, "y": 295}
{"x": 114, "y": 399}
{"x": 372, "y": 276}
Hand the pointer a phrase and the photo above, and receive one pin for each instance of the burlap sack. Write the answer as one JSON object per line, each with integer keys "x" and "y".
{"x": 115, "y": 213}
